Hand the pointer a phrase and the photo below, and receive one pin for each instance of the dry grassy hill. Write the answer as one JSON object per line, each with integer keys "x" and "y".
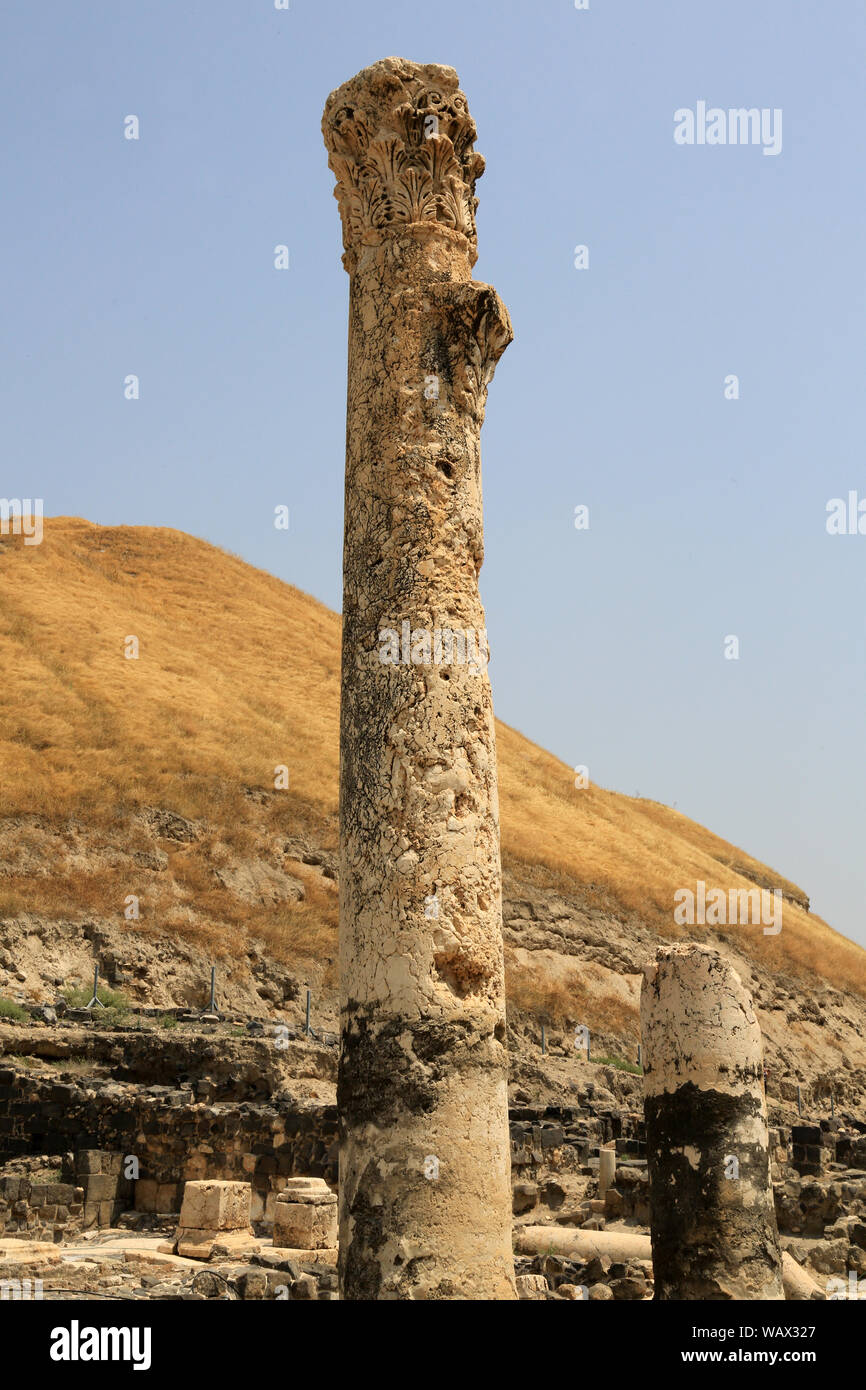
{"x": 154, "y": 777}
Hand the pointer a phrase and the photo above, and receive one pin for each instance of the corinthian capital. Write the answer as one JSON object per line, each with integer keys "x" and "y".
{"x": 400, "y": 142}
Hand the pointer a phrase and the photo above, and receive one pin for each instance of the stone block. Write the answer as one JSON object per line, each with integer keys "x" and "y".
{"x": 202, "y": 1244}
{"x": 308, "y": 1190}
{"x": 60, "y": 1193}
{"x": 531, "y": 1287}
{"x": 600, "y": 1293}
{"x": 145, "y": 1194}
{"x": 304, "y": 1288}
{"x": 326, "y": 1258}
{"x": 524, "y": 1196}
{"x": 305, "y": 1225}
{"x": 628, "y": 1289}
{"x": 253, "y": 1284}
{"x": 552, "y": 1137}
{"x": 830, "y": 1257}
{"x": 101, "y": 1187}
{"x": 213, "y": 1205}
{"x": 598, "y": 1268}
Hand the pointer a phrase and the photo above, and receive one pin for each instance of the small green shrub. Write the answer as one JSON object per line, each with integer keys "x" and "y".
{"x": 12, "y": 1011}
{"x": 79, "y": 996}
{"x": 619, "y": 1063}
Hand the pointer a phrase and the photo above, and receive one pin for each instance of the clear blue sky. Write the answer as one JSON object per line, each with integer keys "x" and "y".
{"x": 707, "y": 516}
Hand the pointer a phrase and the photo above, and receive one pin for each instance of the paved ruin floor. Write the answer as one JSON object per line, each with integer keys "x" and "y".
{"x": 76, "y": 1102}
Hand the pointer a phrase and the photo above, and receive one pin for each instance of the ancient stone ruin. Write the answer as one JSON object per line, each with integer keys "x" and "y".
{"x": 305, "y": 1216}
{"x": 213, "y": 1213}
{"x": 424, "y": 1173}
{"x": 179, "y": 1146}
{"x": 199, "y": 1108}
{"x": 712, "y": 1218}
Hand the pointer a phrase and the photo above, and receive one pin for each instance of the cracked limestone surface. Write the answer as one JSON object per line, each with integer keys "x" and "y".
{"x": 425, "y": 1202}
{"x": 712, "y": 1215}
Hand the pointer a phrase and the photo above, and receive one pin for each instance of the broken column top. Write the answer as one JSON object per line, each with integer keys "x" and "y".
{"x": 400, "y": 141}
{"x": 314, "y": 1191}
{"x": 698, "y": 1023}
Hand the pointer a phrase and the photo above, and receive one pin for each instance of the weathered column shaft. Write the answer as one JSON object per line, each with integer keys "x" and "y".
{"x": 425, "y": 1202}
{"x": 606, "y": 1170}
{"x": 712, "y": 1216}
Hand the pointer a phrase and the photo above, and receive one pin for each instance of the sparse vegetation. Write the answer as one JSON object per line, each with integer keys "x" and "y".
{"x": 12, "y": 1011}
{"x": 77, "y": 1065}
{"x": 567, "y": 1001}
{"x": 619, "y": 1063}
{"x": 79, "y": 996}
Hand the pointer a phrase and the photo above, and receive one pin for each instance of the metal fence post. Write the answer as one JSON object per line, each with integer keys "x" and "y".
{"x": 96, "y": 1002}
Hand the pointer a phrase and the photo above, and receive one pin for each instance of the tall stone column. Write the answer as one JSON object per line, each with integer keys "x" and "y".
{"x": 425, "y": 1201}
{"x": 712, "y": 1217}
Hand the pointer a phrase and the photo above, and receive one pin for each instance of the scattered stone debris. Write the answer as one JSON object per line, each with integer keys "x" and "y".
{"x": 74, "y": 1214}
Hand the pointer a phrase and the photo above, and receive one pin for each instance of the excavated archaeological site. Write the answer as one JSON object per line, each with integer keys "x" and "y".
{"x": 172, "y": 1157}
{"x": 498, "y": 1088}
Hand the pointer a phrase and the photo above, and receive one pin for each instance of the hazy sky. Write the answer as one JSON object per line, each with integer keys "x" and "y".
{"x": 707, "y": 515}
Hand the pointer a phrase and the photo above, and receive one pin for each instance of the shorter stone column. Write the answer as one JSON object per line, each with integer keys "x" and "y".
{"x": 305, "y": 1216}
{"x": 213, "y": 1213}
{"x": 606, "y": 1170}
{"x": 712, "y": 1216}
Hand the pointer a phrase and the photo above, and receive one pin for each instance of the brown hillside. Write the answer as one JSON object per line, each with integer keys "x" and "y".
{"x": 238, "y": 674}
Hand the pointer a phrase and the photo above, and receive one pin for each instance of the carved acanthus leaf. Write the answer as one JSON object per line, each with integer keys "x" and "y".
{"x": 401, "y": 148}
